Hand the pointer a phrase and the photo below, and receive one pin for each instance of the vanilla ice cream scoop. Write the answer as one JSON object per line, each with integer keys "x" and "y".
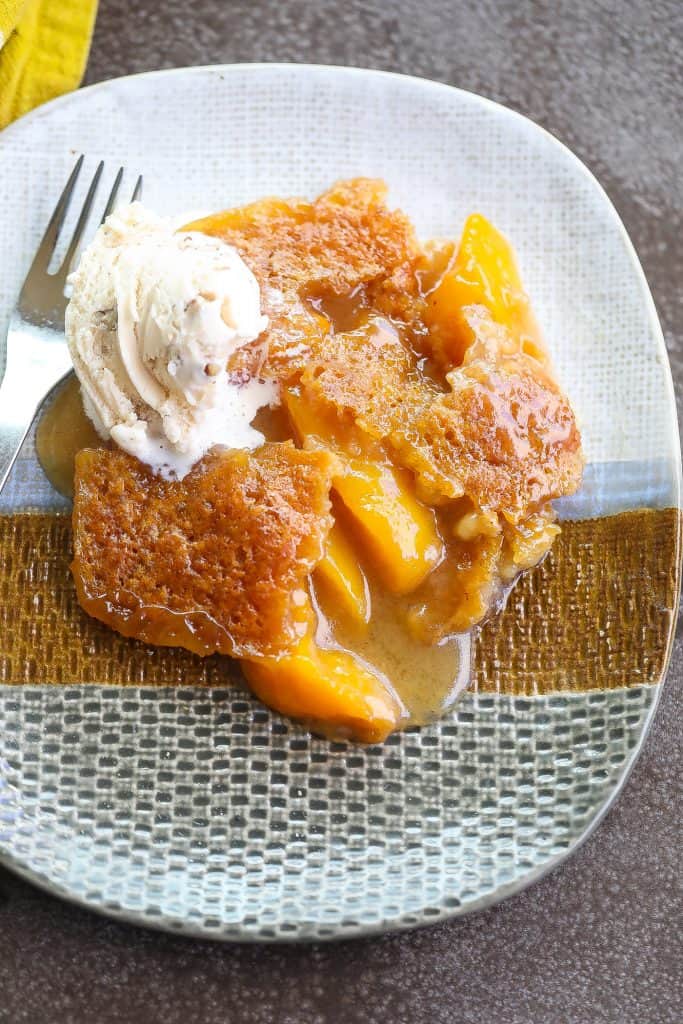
{"x": 153, "y": 318}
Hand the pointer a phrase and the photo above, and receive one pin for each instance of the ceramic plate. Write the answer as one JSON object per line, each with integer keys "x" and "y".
{"x": 196, "y": 809}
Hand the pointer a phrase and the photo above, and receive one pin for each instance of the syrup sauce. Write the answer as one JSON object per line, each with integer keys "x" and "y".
{"x": 63, "y": 430}
{"x": 427, "y": 678}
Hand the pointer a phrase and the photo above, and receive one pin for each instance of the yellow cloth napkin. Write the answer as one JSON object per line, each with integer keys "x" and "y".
{"x": 43, "y": 51}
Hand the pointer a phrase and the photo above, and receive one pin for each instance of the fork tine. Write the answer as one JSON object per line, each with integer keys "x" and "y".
{"x": 137, "y": 191}
{"x": 41, "y": 260}
{"x": 82, "y": 221}
{"x": 112, "y": 195}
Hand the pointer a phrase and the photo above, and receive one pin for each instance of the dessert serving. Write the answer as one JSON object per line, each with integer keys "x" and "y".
{"x": 324, "y": 448}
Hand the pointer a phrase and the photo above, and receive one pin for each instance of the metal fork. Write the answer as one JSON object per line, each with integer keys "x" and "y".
{"x": 37, "y": 356}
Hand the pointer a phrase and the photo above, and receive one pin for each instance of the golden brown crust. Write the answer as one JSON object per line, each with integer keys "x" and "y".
{"x": 216, "y": 562}
{"x": 365, "y": 378}
{"x": 505, "y": 436}
{"x": 347, "y": 239}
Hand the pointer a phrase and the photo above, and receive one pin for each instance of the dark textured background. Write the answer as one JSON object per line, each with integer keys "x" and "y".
{"x": 599, "y": 940}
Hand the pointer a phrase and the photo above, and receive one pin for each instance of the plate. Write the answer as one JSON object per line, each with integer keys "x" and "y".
{"x": 196, "y": 809}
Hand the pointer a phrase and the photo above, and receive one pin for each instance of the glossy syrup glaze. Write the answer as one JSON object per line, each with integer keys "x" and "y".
{"x": 63, "y": 430}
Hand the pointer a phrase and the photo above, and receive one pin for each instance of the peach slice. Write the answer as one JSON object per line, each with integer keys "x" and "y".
{"x": 342, "y": 577}
{"x": 483, "y": 272}
{"x": 398, "y": 532}
{"x": 329, "y": 689}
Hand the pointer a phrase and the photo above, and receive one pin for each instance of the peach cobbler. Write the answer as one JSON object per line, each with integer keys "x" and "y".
{"x": 328, "y": 450}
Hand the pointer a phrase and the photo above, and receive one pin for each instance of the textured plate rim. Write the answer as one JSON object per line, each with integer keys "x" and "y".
{"x": 179, "y": 927}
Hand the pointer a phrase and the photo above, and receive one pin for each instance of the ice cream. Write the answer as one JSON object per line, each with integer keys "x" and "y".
{"x": 153, "y": 318}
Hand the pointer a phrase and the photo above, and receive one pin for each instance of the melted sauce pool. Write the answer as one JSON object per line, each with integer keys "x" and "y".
{"x": 63, "y": 430}
{"x": 426, "y": 678}
{"x": 345, "y": 312}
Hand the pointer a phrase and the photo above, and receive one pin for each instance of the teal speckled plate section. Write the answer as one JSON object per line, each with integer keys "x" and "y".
{"x": 200, "y": 811}
{"x": 205, "y": 814}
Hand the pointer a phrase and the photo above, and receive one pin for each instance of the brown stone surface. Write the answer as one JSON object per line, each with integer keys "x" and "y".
{"x": 598, "y": 941}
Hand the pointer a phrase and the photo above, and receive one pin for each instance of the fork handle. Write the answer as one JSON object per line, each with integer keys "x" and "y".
{"x": 19, "y": 403}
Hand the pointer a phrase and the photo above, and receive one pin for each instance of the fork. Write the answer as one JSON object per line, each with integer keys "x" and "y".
{"x": 36, "y": 354}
